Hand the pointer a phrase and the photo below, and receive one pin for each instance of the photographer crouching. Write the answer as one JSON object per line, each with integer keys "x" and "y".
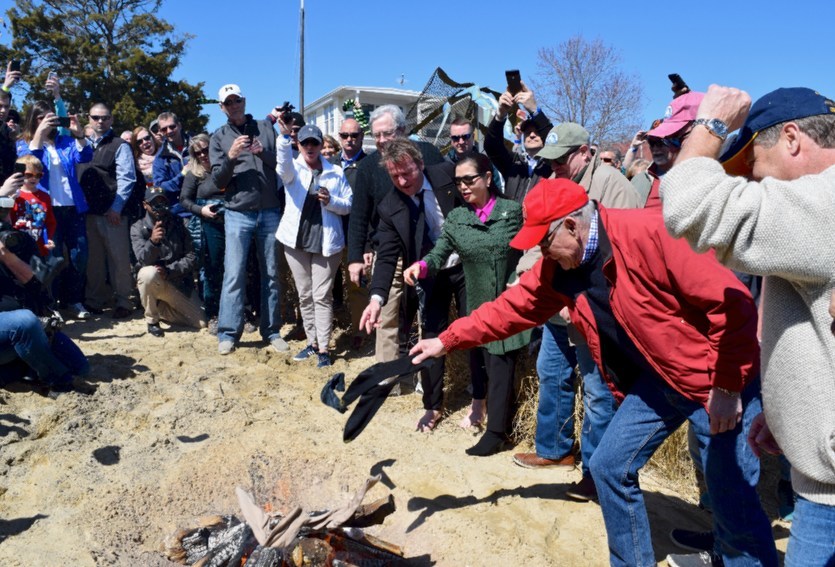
{"x": 30, "y": 337}
{"x": 165, "y": 262}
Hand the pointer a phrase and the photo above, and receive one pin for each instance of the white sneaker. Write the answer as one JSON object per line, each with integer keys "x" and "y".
{"x": 279, "y": 345}
{"x": 225, "y": 347}
{"x": 78, "y": 311}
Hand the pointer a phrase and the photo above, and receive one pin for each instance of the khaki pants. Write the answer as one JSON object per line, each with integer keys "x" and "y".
{"x": 314, "y": 275}
{"x": 387, "y": 346}
{"x": 109, "y": 246}
{"x": 162, "y": 300}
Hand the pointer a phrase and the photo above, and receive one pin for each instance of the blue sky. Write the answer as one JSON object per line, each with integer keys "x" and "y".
{"x": 372, "y": 43}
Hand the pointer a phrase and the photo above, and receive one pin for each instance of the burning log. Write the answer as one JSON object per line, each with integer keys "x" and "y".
{"x": 296, "y": 539}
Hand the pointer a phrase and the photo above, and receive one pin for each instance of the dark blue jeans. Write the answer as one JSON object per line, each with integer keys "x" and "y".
{"x": 214, "y": 245}
{"x": 651, "y": 412}
{"x": 22, "y": 338}
{"x": 70, "y": 231}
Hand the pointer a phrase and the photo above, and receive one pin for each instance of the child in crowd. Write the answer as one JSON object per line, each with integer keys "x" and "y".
{"x": 32, "y": 212}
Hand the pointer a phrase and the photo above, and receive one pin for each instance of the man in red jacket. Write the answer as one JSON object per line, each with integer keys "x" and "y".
{"x": 673, "y": 332}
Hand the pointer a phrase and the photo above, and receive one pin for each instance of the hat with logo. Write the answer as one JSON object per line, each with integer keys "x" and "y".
{"x": 681, "y": 112}
{"x": 562, "y": 138}
{"x": 310, "y": 132}
{"x": 229, "y": 90}
{"x": 152, "y": 193}
{"x": 549, "y": 200}
{"x": 773, "y": 108}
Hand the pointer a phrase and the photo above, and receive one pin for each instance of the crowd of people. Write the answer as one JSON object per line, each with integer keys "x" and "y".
{"x": 624, "y": 264}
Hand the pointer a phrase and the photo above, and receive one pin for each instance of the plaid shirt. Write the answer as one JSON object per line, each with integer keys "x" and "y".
{"x": 592, "y": 244}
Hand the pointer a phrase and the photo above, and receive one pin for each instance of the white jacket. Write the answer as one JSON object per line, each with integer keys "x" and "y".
{"x": 296, "y": 176}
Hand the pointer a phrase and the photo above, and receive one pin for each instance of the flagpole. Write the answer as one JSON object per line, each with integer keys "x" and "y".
{"x": 301, "y": 59}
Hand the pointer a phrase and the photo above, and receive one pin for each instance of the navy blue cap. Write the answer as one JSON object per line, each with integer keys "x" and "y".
{"x": 153, "y": 192}
{"x": 310, "y": 132}
{"x": 776, "y": 107}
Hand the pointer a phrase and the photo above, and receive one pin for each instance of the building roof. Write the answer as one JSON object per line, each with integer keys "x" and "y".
{"x": 386, "y": 91}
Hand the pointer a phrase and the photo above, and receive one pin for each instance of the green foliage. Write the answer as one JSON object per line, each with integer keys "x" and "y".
{"x": 113, "y": 51}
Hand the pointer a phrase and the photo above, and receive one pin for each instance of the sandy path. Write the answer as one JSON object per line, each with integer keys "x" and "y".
{"x": 172, "y": 428}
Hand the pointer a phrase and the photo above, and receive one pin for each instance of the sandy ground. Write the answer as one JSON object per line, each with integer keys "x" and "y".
{"x": 168, "y": 429}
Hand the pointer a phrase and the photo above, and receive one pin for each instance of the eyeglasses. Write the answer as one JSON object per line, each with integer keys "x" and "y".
{"x": 143, "y": 139}
{"x": 230, "y": 101}
{"x": 201, "y": 153}
{"x": 562, "y": 160}
{"x": 384, "y": 134}
{"x": 30, "y": 175}
{"x": 606, "y": 160}
{"x": 462, "y": 137}
{"x": 549, "y": 237}
{"x": 99, "y": 118}
{"x": 467, "y": 180}
{"x": 165, "y": 129}
{"x": 671, "y": 143}
{"x": 352, "y": 135}
{"x": 310, "y": 142}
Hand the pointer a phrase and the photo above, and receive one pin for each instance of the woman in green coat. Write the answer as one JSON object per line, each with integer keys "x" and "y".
{"x": 480, "y": 234}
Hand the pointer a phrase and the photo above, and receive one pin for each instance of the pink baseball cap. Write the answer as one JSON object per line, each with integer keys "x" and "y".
{"x": 681, "y": 112}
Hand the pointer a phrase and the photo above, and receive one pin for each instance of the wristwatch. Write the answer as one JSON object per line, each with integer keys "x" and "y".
{"x": 714, "y": 126}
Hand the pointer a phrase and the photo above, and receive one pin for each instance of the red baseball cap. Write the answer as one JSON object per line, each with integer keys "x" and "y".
{"x": 549, "y": 200}
{"x": 681, "y": 112}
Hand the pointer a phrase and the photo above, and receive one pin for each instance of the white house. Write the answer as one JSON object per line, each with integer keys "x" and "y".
{"x": 326, "y": 111}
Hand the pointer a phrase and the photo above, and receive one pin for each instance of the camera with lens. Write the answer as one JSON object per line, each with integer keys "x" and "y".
{"x": 286, "y": 111}
{"x": 18, "y": 243}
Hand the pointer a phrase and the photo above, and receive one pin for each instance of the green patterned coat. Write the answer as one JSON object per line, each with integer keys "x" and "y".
{"x": 488, "y": 260}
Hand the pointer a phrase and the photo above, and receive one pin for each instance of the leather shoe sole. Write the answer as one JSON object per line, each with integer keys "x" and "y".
{"x": 534, "y": 461}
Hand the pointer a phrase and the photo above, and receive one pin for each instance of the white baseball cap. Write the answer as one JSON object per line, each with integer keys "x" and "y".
{"x": 228, "y": 90}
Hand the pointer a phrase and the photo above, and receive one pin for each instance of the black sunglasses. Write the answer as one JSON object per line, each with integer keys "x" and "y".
{"x": 143, "y": 139}
{"x": 98, "y": 118}
{"x": 203, "y": 152}
{"x": 231, "y": 101}
{"x": 352, "y": 135}
{"x": 464, "y": 137}
{"x": 562, "y": 160}
{"x": 310, "y": 142}
{"x": 467, "y": 180}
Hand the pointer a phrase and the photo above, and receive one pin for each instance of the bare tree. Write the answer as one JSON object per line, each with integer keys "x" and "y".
{"x": 581, "y": 81}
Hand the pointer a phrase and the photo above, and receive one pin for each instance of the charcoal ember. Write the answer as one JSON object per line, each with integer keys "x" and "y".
{"x": 227, "y": 547}
{"x": 187, "y": 546}
{"x": 265, "y": 557}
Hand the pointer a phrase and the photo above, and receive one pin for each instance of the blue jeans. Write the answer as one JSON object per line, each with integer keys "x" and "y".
{"x": 70, "y": 231}
{"x": 22, "y": 338}
{"x": 650, "y": 413}
{"x": 214, "y": 243}
{"x": 812, "y": 541}
{"x": 555, "y": 413}
{"x": 598, "y": 406}
{"x": 242, "y": 227}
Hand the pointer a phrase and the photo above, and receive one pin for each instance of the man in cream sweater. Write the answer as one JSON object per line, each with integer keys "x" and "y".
{"x": 773, "y": 216}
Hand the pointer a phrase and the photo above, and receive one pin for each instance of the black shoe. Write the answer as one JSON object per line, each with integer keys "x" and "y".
{"x": 120, "y": 313}
{"x": 694, "y": 541}
{"x": 154, "y": 329}
{"x": 585, "y": 490}
{"x": 93, "y": 310}
{"x": 489, "y": 444}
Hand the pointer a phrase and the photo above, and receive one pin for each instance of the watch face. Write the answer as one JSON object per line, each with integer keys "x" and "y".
{"x": 719, "y": 127}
